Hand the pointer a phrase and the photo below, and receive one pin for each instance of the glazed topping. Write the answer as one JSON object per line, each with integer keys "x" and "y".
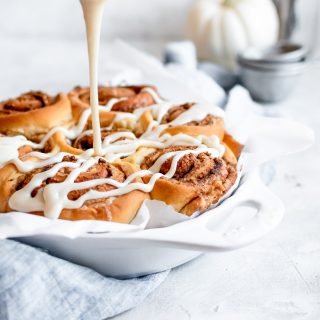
{"x": 128, "y": 98}
{"x": 209, "y": 120}
{"x": 85, "y": 142}
{"x": 105, "y": 94}
{"x": 13, "y": 147}
{"x": 111, "y": 147}
{"x": 26, "y": 102}
{"x": 196, "y": 113}
{"x": 141, "y": 100}
{"x": 53, "y": 183}
{"x": 192, "y": 168}
{"x": 175, "y": 111}
{"x": 212, "y": 176}
{"x": 100, "y": 170}
{"x": 54, "y": 196}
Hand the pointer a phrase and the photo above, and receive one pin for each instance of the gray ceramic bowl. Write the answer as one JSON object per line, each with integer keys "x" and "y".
{"x": 270, "y": 75}
{"x": 283, "y": 52}
{"x": 270, "y": 85}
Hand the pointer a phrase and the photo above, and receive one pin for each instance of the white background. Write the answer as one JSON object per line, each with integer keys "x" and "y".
{"x": 128, "y": 19}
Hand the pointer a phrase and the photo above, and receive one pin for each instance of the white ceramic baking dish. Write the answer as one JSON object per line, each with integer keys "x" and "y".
{"x": 247, "y": 215}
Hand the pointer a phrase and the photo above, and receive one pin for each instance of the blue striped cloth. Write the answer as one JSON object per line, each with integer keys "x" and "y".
{"x": 37, "y": 286}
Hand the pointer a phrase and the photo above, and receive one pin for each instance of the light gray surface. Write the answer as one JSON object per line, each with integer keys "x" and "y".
{"x": 277, "y": 278}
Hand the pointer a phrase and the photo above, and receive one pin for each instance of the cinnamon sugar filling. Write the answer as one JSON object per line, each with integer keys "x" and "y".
{"x": 86, "y": 142}
{"x": 176, "y": 111}
{"x": 212, "y": 176}
{"x": 101, "y": 170}
{"x": 29, "y": 101}
{"x": 134, "y": 97}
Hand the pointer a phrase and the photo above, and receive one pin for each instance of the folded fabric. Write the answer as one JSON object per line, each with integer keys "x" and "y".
{"x": 35, "y": 285}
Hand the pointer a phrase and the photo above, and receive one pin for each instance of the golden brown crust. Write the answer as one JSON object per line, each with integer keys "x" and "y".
{"x": 59, "y": 142}
{"x": 234, "y": 146}
{"x": 9, "y": 178}
{"x": 116, "y": 210}
{"x": 34, "y": 113}
{"x": 24, "y": 150}
{"x": 194, "y": 131}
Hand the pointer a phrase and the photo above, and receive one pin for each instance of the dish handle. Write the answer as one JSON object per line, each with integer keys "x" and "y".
{"x": 240, "y": 220}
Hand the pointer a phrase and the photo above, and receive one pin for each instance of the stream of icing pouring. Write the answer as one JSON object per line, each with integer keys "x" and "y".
{"x": 92, "y": 12}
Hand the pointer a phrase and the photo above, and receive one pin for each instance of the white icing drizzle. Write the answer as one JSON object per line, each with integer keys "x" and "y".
{"x": 53, "y": 198}
{"x": 112, "y": 102}
{"x": 9, "y": 148}
{"x": 196, "y": 112}
{"x": 113, "y": 148}
{"x": 154, "y": 95}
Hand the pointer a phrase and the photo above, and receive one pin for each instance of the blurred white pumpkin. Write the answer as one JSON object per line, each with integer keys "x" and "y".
{"x": 221, "y": 29}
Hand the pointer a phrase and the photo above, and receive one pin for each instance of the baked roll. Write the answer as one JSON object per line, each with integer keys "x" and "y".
{"x": 199, "y": 180}
{"x": 34, "y": 113}
{"x": 178, "y": 154}
{"x": 127, "y": 98}
{"x": 209, "y": 125}
{"x": 19, "y": 191}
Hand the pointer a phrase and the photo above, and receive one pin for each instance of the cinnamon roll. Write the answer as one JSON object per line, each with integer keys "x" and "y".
{"x": 199, "y": 180}
{"x": 151, "y": 148}
{"x": 63, "y": 189}
{"x": 193, "y": 120}
{"x": 208, "y": 126}
{"x": 126, "y": 98}
{"x": 189, "y": 118}
{"x": 34, "y": 113}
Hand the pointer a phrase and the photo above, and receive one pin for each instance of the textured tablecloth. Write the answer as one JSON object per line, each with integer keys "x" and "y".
{"x": 34, "y": 285}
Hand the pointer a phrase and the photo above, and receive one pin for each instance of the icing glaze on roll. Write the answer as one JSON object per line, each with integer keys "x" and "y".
{"x": 54, "y": 197}
{"x": 9, "y": 147}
